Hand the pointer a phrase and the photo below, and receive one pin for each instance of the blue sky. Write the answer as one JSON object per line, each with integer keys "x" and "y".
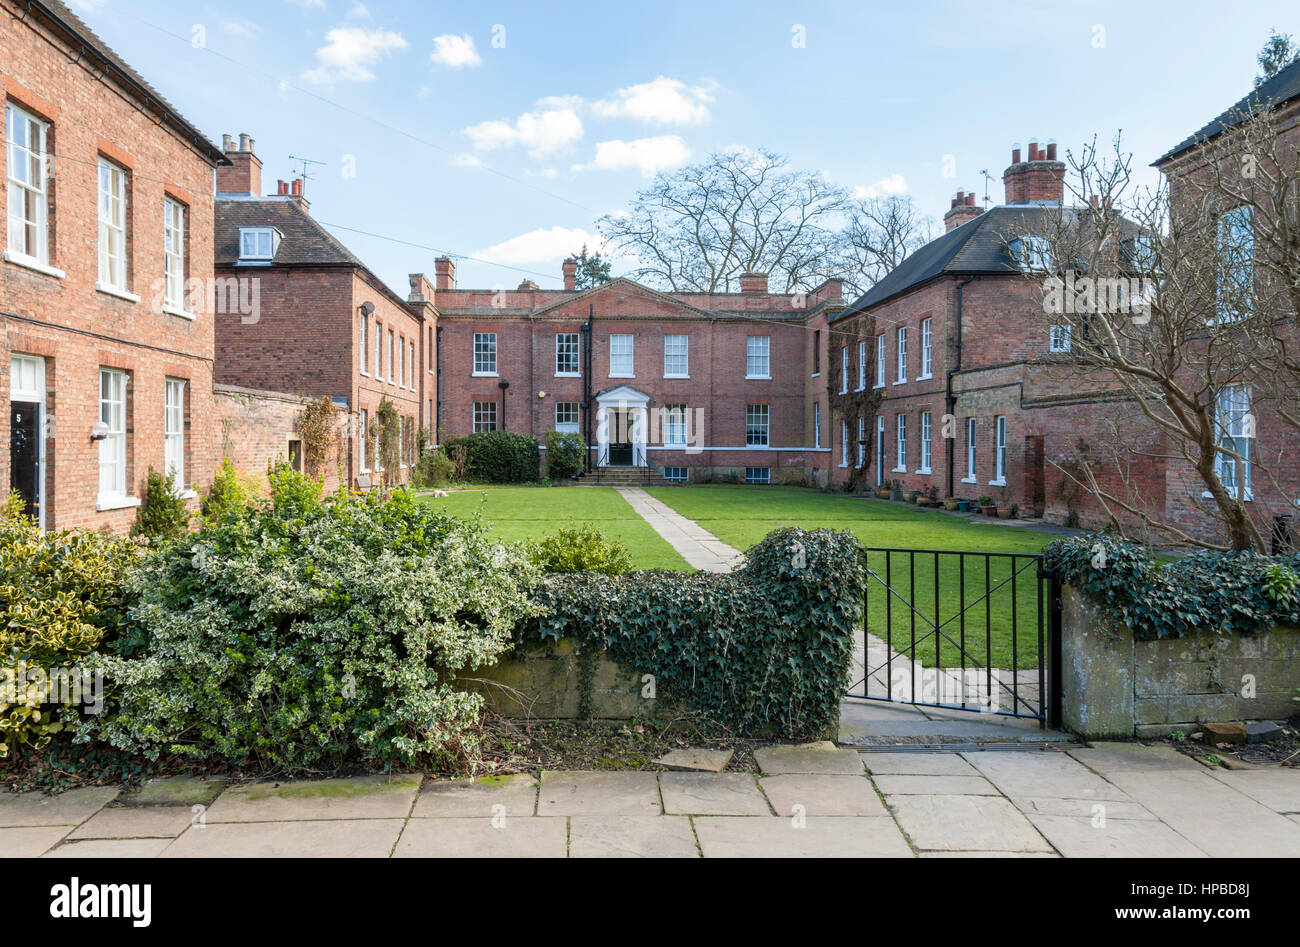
{"x": 503, "y": 131}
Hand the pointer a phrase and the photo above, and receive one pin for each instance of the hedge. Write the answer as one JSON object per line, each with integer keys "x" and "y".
{"x": 500, "y": 456}
{"x": 764, "y": 649}
{"x": 1218, "y": 592}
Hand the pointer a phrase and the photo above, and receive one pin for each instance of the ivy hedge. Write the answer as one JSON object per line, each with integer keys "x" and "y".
{"x": 764, "y": 649}
{"x": 499, "y": 456}
{"x": 1223, "y": 593}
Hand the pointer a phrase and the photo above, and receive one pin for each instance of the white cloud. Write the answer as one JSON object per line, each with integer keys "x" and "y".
{"x": 662, "y": 101}
{"x": 308, "y": 4}
{"x": 892, "y": 186}
{"x": 544, "y": 130}
{"x": 348, "y": 53}
{"x": 467, "y": 160}
{"x": 358, "y": 12}
{"x": 647, "y": 155}
{"x": 455, "y": 52}
{"x": 540, "y": 246}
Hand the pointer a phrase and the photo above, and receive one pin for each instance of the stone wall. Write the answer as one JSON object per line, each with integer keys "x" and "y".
{"x": 1114, "y": 685}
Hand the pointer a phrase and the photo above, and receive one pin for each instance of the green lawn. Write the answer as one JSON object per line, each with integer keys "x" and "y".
{"x": 515, "y": 513}
{"x": 742, "y": 515}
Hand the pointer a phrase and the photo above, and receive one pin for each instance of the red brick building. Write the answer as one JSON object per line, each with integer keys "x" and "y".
{"x": 684, "y": 385}
{"x": 302, "y": 315}
{"x": 106, "y": 255}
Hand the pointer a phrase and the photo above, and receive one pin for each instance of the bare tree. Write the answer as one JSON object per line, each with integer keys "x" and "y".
{"x": 1181, "y": 303}
{"x": 878, "y": 235}
{"x": 700, "y": 227}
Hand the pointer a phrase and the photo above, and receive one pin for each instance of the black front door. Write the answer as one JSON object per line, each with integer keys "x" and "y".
{"x": 620, "y": 439}
{"x": 25, "y": 454}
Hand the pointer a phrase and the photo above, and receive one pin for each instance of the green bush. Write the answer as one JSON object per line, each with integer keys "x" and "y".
{"x": 499, "y": 456}
{"x": 230, "y": 493}
{"x": 564, "y": 454}
{"x": 310, "y": 634}
{"x": 1226, "y": 593}
{"x": 433, "y": 469}
{"x": 162, "y": 514}
{"x": 61, "y": 598}
{"x": 582, "y": 549}
{"x": 766, "y": 648}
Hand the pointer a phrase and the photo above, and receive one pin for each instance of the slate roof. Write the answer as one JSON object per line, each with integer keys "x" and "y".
{"x": 87, "y": 37}
{"x": 1278, "y": 90}
{"x": 976, "y": 247}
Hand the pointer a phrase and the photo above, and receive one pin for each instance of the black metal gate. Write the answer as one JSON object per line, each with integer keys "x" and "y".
{"x": 975, "y": 631}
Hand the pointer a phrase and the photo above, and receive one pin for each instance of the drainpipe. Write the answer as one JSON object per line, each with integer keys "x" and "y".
{"x": 503, "y": 385}
{"x": 586, "y": 387}
{"x": 950, "y": 399}
{"x": 437, "y": 379}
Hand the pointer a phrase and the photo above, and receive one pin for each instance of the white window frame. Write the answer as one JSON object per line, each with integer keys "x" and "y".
{"x": 880, "y": 361}
{"x": 880, "y": 449}
{"x": 972, "y": 442}
{"x": 28, "y": 239}
{"x": 927, "y": 350}
{"x": 1058, "y": 338}
{"x": 1032, "y": 253}
{"x": 1235, "y": 426}
{"x": 927, "y": 446}
{"x": 758, "y": 425}
{"x": 677, "y": 364}
{"x": 112, "y": 449}
{"x": 675, "y": 425}
{"x": 622, "y": 364}
{"x": 379, "y": 351}
{"x": 401, "y": 363}
{"x": 410, "y": 367}
{"x": 1000, "y": 452}
{"x": 391, "y": 337}
{"x": 844, "y": 442}
{"x": 365, "y": 348}
{"x": 567, "y": 427}
{"x": 568, "y": 345}
{"x": 901, "y": 355}
{"x": 900, "y": 444}
{"x": 174, "y": 429}
{"x": 484, "y": 416}
{"x": 485, "y": 355}
{"x": 258, "y": 244}
{"x": 817, "y": 424}
{"x": 862, "y": 441}
{"x": 362, "y": 428}
{"x": 758, "y": 356}
{"x": 1235, "y": 279}
{"x": 844, "y": 369}
{"x": 862, "y": 364}
{"x": 112, "y": 227}
{"x": 173, "y": 254}
{"x": 761, "y": 476}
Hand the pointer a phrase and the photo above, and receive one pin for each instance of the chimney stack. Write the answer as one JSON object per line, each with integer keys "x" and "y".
{"x": 570, "y": 274}
{"x": 243, "y": 176}
{"x": 1039, "y": 180}
{"x": 753, "y": 282}
{"x": 963, "y": 209}
{"x": 444, "y": 273}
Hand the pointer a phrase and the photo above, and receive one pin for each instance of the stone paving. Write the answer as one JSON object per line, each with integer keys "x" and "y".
{"x": 700, "y": 548}
{"x": 819, "y": 800}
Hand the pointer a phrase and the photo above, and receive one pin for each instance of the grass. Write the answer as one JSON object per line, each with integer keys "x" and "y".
{"x": 742, "y": 515}
{"x": 518, "y": 513}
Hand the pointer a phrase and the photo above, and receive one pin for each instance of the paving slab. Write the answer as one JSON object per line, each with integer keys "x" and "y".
{"x": 696, "y": 759}
{"x": 821, "y": 757}
{"x": 631, "y": 836}
{"x": 67, "y": 808}
{"x": 462, "y": 798}
{"x": 1081, "y": 808}
{"x": 581, "y": 793}
{"x": 1043, "y": 774}
{"x": 934, "y": 786}
{"x": 700, "y": 548}
{"x": 30, "y": 841}
{"x": 776, "y": 837}
{"x": 917, "y": 764}
{"x": 174, "y": 791}
{"x": 111, "y": 848}
{"x": 526, "y": 837}
{"x": 1195, "y": 803}
{"x": 365, "y": 797}
{"x": 1081, "y": 837}
{"x": 979, "y": 729}
{"x": 965, "y": 823}
{"x": 150, "y": 822}
{"x": 1276, "y": 787}
{"x": 988, "y": 855}
{"x": 339, "y": 838}
{"x": 712, "y": 794}
{"x": 822, "y": 795}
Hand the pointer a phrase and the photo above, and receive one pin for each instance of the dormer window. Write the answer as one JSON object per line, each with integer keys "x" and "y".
{"x": 258, "y": 243}
{"x": 1032, "y": 253}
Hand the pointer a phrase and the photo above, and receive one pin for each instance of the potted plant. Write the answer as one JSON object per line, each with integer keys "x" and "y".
{"x": 896, "y": 490}
{"x": 882, "y": 491}
{"x": 950, "y": 504}
{"x": 986, "y": 505}
{"x": 1007, "y": 512}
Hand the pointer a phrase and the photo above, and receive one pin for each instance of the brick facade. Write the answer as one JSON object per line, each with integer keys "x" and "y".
{"x": 55, "y": 320}
{"x": 257, "y": 429}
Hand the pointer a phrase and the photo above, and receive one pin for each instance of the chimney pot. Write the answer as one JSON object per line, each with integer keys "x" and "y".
{"x": 245, "y": 143}
{"x": 1051, "y": 150}
{"x": 297, "y": 187}
{"x": 970, "y": 199}
{"x": 1015, "y": 153}
{"x": 282, "y": 188}
{"x": 244, "y": 173}
{"x": 227, "y": 143}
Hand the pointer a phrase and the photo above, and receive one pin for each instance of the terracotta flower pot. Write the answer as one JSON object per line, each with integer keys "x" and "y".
{"x": 1005, "y": 512}
{"x": 989, "y": 510}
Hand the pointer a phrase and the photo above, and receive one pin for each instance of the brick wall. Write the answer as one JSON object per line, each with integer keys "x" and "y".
{"x": 257, "y": 429}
